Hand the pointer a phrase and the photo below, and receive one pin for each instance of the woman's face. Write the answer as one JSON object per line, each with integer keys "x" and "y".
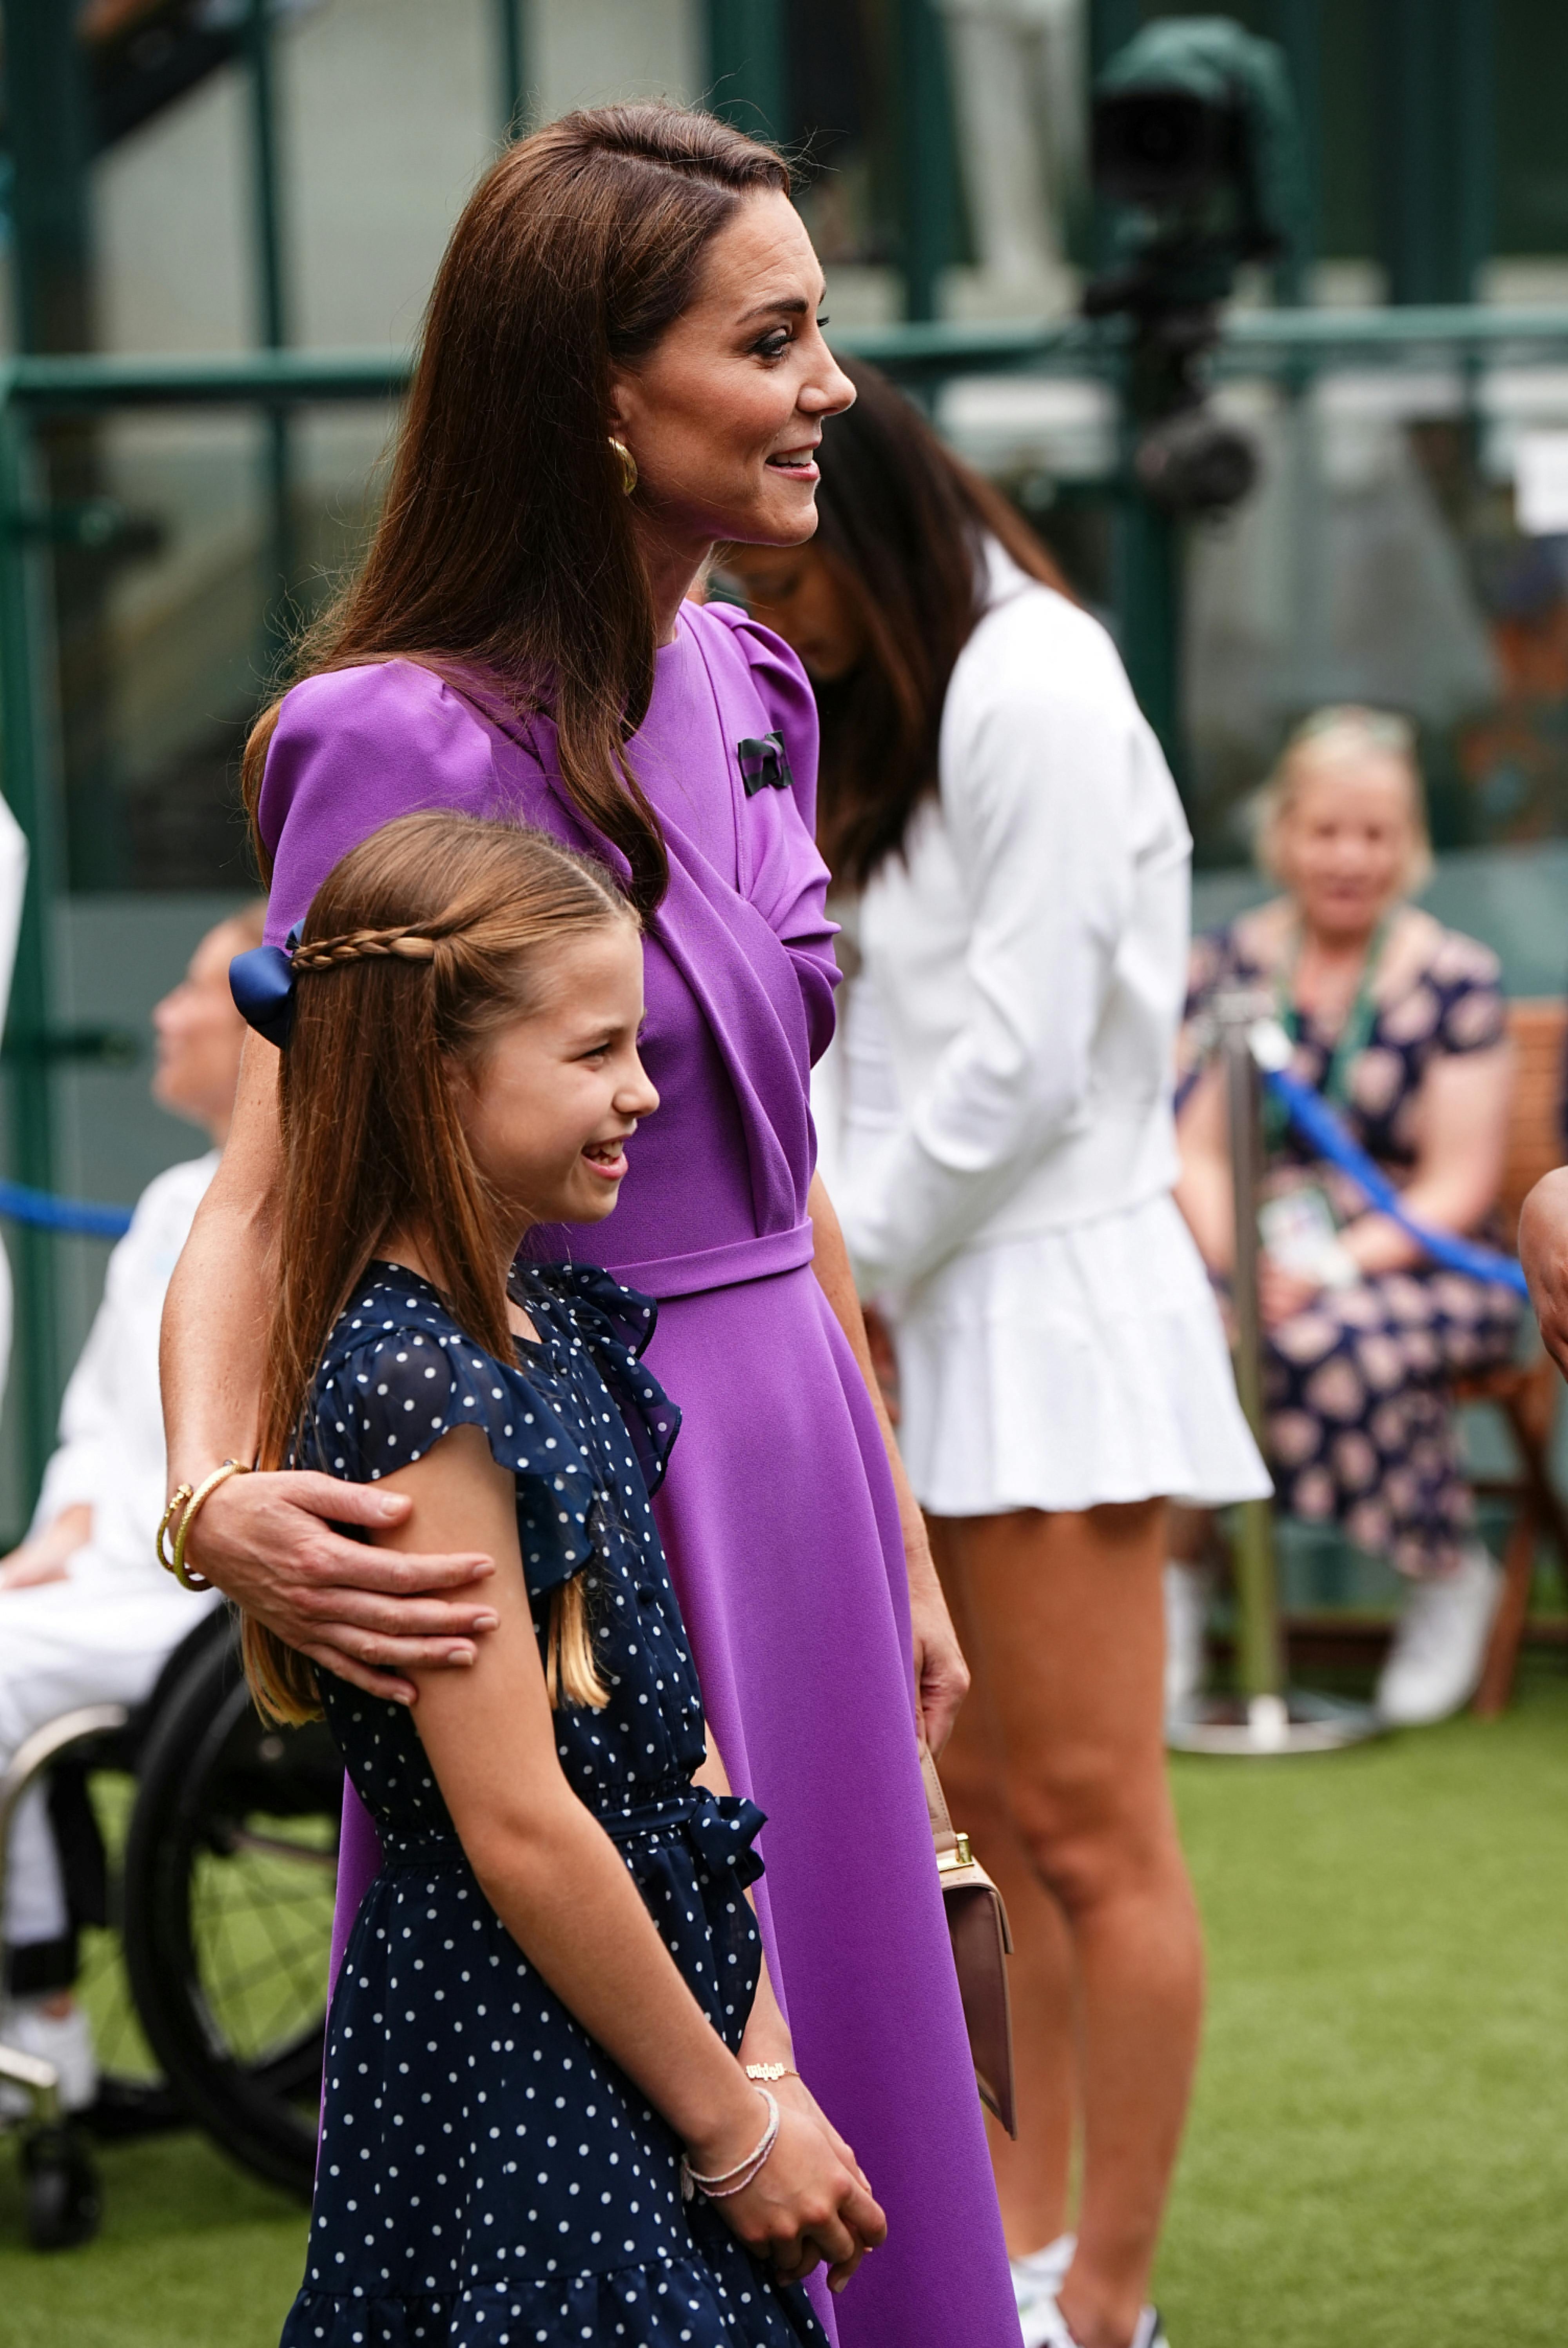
{"x": 724, "y": 415}
{"x": 558, "y": 1095}
{"x": 1345, "y": 844}
{"x": 200, "y": 1035}
{"x": 800, "y": 593}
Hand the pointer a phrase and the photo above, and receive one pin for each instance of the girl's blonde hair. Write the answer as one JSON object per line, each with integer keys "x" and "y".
{"x": 1344, "y": 733}
{"x": 419, "y": 945}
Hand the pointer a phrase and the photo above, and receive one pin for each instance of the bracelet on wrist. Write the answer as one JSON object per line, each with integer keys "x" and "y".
{"x": 730, "y": 2182}
{"x": 771, "y": 2070}
{"x": 187, "y": 1501}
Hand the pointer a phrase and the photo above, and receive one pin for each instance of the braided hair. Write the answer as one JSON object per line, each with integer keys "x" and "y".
{"x": 365, "y": 945}
{"x": 420, "y": 945}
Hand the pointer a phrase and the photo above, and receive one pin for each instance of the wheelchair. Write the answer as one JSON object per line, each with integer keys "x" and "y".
{"x": 222, "y": 1894}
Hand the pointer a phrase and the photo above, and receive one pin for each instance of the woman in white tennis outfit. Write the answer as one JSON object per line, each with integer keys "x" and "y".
{"x": 991, "y": 790}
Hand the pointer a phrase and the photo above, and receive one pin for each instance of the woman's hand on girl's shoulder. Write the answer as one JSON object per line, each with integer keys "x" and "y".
{"x": 808, "y": 2205}
{"x": 368, "y": 1614}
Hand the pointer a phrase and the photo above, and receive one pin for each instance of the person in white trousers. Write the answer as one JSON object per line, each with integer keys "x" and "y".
{"x": 87, "y": 1614}
{"x": 993, "y": 795}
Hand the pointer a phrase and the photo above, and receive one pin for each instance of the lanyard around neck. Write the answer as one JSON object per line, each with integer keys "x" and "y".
{"x": 1356, "y": 1034}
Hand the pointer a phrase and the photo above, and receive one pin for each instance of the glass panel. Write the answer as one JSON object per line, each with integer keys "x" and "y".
{"x": 177, "y": 623}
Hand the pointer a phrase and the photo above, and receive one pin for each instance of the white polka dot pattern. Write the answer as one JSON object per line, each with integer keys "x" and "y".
{"x": 487, "y": 2175}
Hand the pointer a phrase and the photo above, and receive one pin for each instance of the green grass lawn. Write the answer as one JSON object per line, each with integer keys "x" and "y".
{"x": 1378, "y": 2156}
{"x": 1378, "y": 2152}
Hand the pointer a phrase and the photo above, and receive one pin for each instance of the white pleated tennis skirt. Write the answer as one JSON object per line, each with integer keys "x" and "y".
{"x": 1068, "y": 1368}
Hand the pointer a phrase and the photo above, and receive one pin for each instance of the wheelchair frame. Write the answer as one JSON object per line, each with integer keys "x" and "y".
{"x": 244, "y": 2101}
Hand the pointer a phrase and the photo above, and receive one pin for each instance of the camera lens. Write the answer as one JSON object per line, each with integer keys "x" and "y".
{"x": 1159, "y": 147}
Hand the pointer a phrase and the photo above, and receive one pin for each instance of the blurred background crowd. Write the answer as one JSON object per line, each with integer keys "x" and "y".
{"x": 1279, "y": 380}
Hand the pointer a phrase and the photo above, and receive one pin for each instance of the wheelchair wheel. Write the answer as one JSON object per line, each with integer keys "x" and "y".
{"x": 230, "y": 1867}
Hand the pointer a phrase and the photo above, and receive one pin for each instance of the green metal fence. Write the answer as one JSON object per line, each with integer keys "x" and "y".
{"x": 1292, "y": 346}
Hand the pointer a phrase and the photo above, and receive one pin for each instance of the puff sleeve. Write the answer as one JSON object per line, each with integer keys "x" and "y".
{"x": 354, "y": 749}
{"x": 386, "y": 1399}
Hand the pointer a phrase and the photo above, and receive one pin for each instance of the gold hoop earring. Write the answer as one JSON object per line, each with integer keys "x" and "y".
{"x": 626, "y": 462}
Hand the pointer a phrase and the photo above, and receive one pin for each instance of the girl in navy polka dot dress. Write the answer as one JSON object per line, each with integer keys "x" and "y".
{"x": 542, "y": 2119}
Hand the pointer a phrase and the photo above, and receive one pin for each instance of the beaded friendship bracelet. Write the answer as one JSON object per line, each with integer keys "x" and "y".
{"x": 734, "y": 2180}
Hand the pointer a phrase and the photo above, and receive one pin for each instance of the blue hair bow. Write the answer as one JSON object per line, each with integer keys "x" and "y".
{"x": 262, "y": 984}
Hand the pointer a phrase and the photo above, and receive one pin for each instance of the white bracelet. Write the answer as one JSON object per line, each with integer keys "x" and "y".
{"x": 732, "y": 2181}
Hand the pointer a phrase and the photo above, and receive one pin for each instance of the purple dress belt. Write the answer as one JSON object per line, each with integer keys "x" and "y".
{"x": 721, "y": 1266}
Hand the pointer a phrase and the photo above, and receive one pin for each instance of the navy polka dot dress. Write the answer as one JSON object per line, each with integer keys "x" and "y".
{"x": 488, "y": 2178}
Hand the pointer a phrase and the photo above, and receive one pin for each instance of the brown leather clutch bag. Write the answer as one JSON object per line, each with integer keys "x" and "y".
{"x": 982, "y": 1943}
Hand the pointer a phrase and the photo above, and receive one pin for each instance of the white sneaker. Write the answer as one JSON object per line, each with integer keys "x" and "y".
{"x": 1187, "y": 1589}
{"x": 66, "y": 2040}
{"x": 1036, "y": 2280}
{"x": 1045, "y": 2326}
{"x": 1434, "y": 1665}
{"x": 1041, "y": 2323}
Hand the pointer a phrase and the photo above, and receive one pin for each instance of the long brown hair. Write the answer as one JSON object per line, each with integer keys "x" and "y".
{"x": 903, "y": 524}
{"x": 506, "y": 546}
{"x": 419, "y": 944}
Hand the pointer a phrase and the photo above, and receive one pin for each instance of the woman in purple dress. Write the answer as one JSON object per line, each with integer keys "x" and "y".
{"x": 622, "y": 363}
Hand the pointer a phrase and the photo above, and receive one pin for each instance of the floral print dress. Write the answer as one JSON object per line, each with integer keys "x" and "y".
{"x": 1361, "y": 1421}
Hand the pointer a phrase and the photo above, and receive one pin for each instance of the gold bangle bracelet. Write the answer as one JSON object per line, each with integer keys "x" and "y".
{"x": 771, "y": 2070}
{"x": 179, "y": 1500}
{"x": 202, "y": 1493}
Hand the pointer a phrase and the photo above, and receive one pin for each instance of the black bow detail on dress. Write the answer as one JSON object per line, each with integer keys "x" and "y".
{"x": 764, "y": 764}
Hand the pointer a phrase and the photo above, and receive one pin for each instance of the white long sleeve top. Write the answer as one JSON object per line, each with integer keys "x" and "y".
{"x": 1026, "y": 956}
{"x": 111, "y": 1449}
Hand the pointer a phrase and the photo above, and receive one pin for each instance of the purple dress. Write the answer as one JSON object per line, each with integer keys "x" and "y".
{"x": 778, "y": 1513}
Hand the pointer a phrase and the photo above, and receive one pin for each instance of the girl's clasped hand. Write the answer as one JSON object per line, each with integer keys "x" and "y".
{"x": 808, "y": 2205}
{"x": 565, "y": 1862}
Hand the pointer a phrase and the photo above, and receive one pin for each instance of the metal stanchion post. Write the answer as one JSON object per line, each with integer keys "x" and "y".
{"x": 1264, "y": 1717}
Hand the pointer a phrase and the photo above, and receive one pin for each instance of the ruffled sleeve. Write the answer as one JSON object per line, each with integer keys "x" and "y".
{"x": 614, "y": 1324}
{"x": 354, "y": 749}
{"x": 388, "y": 1396}
{"x": 788, "y": 880}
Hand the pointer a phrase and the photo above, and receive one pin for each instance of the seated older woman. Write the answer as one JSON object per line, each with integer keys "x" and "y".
{"x": 1400, "y": 1023}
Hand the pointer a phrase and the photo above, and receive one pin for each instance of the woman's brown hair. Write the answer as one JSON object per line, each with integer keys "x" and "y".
{"x": 505, "y": 550}
{"x": 903, "y": 523}
{"x": 418, "y": 946}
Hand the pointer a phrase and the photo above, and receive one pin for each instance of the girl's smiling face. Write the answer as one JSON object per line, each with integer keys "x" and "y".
{"x": 558, "y": 1092}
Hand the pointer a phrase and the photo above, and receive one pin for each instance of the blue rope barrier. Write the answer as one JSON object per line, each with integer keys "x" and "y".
{"x": 1320, "y": 1125}
{"x": 47, "y": 1213}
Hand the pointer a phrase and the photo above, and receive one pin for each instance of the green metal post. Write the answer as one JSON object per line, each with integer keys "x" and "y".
{"x": 512, "y": 67}
{"x": 272, "y": 321}
{"x": 1112, "y": 25}
{"x": 1434, "y": 63}
{"x": 1147, "y": 553}
{"x": 747, "y": 78}
{"x": 50, "y": 132}
{"x": 1260, "y": 1647}
{"x": 928, "y": 193}
{"x": 30, "y": 792}
{"x": 1474, "y": 45}
{"x": 1297, "y": 26}
{"x": 1146, "y": 542}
